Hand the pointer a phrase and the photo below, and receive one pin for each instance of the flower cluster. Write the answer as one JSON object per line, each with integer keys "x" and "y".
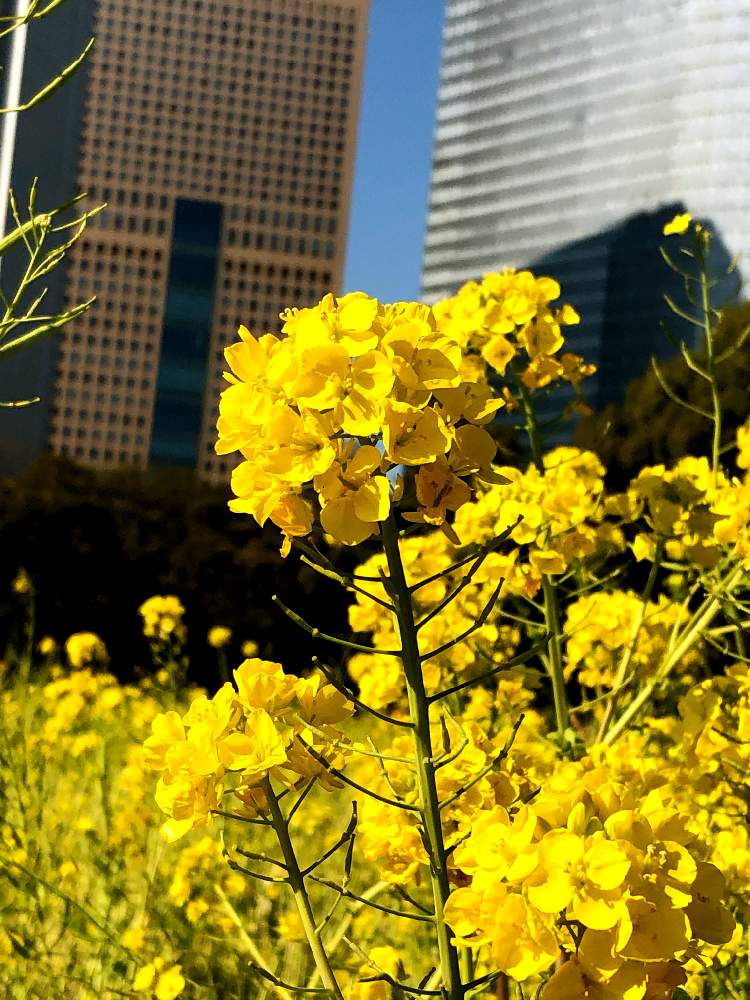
{"x": 219, "y": 636}
{"x": 352, "y": 392}
{"x": 85, "y": 649}
{"x": 507, "y": 317}
{"x": 602, "y": 626}
{"x": 260, "y": 727}
{"x": 612, "y": 882}
{"x": 163, "y": 619}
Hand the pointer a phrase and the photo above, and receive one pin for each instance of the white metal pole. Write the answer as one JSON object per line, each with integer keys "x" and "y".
{"x": 12, "y": 98}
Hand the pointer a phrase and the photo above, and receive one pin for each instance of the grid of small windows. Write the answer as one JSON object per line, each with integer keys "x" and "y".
{"x": 249, "y": 103}
{"x": 107, "y": 364}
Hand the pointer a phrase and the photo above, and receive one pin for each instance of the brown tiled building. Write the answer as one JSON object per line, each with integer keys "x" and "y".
{"x": 221, "y": 133}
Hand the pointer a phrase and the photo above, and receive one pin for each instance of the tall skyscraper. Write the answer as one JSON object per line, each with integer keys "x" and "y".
{"x": 566, "y": 133}
{"x": 221, "y": 134}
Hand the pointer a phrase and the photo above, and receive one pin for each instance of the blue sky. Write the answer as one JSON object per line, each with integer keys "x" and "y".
{"x": 394, "y": 151}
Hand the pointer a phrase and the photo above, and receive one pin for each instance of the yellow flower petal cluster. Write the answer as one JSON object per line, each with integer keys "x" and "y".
{"x": 600, "y": 627}
{"x": 228, "y": 744}
{"x": 163, "y": 619}
{"x": 697, "y": 516}
{"x": 590, "y": 871}
{"x": 219, "y": 636}
{"x": 678, "y": 225}
{"x": 508, "y": 318}
{"x": 159, "y": 981}
{"x": 85, "y": 649}
{"x": 351, "y": 392}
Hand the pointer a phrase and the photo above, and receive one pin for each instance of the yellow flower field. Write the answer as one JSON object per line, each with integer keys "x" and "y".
{"x": 521, "y": 774}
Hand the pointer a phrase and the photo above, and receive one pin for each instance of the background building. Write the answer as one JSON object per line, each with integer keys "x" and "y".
{"x": 221, "y": 134}
{"x": 567, "y": 133}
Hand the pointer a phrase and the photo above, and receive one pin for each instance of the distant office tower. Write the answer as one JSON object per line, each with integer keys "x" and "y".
{"x": 221, "y": 133}
{"x": 568, "y": 132}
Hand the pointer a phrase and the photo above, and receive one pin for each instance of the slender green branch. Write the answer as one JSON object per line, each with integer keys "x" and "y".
{"x": 344, "y": 581}
{"x": 317, "y": 634}
{"x": 467, "y": 578}
{"x": 347, "y": 894}
{"x": 351, "y": 782}
{"x": 482, "y": 551}
{"x": 290, "y": 987}
{"x": 245, "y": 939}
{"x": 296, "y": 881}
{"x": 473, "y": 681}
{"x": 419, "y": 710}
{"x": 692, "y": 632}
{"x": 345, "y": 838}
{"x": 625, "y": 661}
{"x": 479, "y": 623}
{"x": 549, "y": 587}
{"x": 49, "y": 89}
{"x": 332, "y": 679}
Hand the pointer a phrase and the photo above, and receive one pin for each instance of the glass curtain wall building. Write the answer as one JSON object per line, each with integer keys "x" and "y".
{"x": 567, "y": 132}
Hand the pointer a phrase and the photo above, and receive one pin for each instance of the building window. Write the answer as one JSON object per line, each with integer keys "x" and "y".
{"x": 181, "y": 378}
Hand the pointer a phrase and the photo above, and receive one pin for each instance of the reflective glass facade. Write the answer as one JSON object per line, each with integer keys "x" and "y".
{"x": 180, "y": 385}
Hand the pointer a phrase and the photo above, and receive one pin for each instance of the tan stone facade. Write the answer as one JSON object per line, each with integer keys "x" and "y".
{"x": 251, "y": 104}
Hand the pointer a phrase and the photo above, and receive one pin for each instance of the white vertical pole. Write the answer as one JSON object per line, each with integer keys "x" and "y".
{"x": 12, "y": 98}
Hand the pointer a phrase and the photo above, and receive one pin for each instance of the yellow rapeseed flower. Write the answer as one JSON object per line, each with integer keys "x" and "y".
{"x": 678, "y": 225}
{"x": 219, "y": 636}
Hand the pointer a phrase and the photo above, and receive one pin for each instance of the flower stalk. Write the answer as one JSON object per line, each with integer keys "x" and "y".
{"x": 296, "y": 881}
{"x": 549, "y": 588}
{"x": 419, "y": 711}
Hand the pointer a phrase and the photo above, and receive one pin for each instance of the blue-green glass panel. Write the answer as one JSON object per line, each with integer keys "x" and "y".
{"x": 178, "y": 407}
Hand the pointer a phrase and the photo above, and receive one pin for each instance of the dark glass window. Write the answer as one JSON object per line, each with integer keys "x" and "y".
{"x": 187, "y": 327}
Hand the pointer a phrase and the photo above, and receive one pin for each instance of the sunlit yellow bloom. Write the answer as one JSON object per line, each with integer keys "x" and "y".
{"x": 219, "y": 636}
{"x": 679, "y": 224}
{"x": 85, "y": 649}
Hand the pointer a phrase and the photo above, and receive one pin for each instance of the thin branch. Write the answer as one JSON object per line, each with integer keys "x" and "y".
{"x": 515, "y": 661}
{"x": 53, "y": 85}
{"x": 673, "y": 395}
{"x": 468, "y": 576}
{"x": 319, "y": 990}
{"x": 408, "y": 898}
{"x": 481, "y": 620}
{"x": 482, "y": 550}
{"x": 324, "y": 561}
{"x": 487, "y": 769}
{"x": 236, "y": 867}
{"x": 345, "y": 837}
{"x": 412, "y": 990}
{"x": 354, "y": 784}
{"x": 256, "y": 821}
{"x": 317, "y": 634}
{"x": 300, "y": 799}
{"x": 332, "y": 679}
{"x": 346, "y": 582}
{"x": 252, "y": 856}
{"x": 347, "y": 894}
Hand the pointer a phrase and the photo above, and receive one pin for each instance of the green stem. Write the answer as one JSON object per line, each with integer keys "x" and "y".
{"x": 710, "y": 366}
{"x": 296, "y": 882}
{"x": 419, "y": 710}
{"x": 624, "y": 666}
{"x": 557, "y": 676}
{"x": 692, "y": 633}
{"x": 549, "y": 587}
{"x": 247, "y": 942}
